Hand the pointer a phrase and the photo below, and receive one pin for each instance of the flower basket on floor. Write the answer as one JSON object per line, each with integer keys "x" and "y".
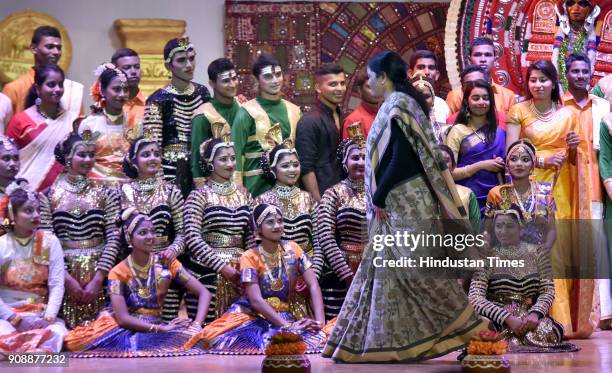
{"x": 285, "y": 354}
{"x": 485, "y": 354}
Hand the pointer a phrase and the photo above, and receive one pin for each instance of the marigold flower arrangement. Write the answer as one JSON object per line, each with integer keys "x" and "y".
{"x": 286, "y": 343}
{"x": 487, "y": 342}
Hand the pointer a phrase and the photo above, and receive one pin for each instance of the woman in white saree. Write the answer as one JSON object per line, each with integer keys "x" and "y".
{"x": 40, "y": 127}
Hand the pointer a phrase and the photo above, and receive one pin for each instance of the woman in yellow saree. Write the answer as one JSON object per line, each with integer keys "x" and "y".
{"x": 561, "y": 159}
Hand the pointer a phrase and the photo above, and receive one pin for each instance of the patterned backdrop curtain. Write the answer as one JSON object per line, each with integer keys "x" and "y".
{"x": 302, "y": 35}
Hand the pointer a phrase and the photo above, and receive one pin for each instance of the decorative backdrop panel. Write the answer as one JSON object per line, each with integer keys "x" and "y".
{"x": 522, "y": 31}
{"x": 304, "y": 35}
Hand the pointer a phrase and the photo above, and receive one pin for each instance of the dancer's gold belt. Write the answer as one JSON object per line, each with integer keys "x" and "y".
{"x": 176, "y": 151}
{"x": 218, "y": 240}
{"x": 86, "y": 244}
{"x": 278, "y": 304}
{"x": 509, "y": 298}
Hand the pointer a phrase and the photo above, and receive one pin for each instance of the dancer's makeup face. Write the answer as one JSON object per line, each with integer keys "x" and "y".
{"x": 83, "y": 159}
{"x": 355, "y": 163}
{"x": 224, "y": 162}
{"x": 9, "y": 162}
{"x": 183, "y": 65}
{"x": 271, "y": 80}
{"x": 272, "y": 227}
{"x": 507, "y": 230}
{"x": 116, "y": 93}
{"x": 27, "y": 216}
{"x": 520, "y": 164}
{"x": 148, "y": 160}
{"x": 143, "y": 237}
{"x": 287, "y": 169}
{"x": 226, "y": 84}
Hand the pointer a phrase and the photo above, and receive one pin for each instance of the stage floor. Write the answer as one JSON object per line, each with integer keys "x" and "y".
{"x": 595, "y": 356}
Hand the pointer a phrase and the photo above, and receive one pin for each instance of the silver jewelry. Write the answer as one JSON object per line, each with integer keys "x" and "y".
{"x": 146, "y": 185}
{"x": 356, "y": 186}
{"x": 185, "y": 92}
{"x": 223, "y": 189}
{"x": 286, "y": 192}
{"x": 76, "y": 186}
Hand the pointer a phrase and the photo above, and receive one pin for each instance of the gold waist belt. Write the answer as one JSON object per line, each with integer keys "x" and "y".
{"x": 509, "y": 298}
{"x": 221, "y": 240}
{"x": 278, "y": 304}
{"x": 353, "y": 247}
{"x": 229, "y": 254}
{"x": 176, "y": 151}
{"x": 147, "y": 312}
{"x": 87, "y": 244}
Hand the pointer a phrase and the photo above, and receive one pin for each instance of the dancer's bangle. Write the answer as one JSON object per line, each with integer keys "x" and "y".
{"x": 541, "y": 162}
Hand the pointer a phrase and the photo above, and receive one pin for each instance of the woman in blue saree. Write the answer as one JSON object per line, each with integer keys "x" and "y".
{"x": 477, "y": 141}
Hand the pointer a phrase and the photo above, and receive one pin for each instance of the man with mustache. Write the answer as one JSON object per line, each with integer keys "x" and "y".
{"x": 591, "y": 110}
{"x": 318, "y": 132}
{"x": 482, "y": 53}
{"x": 169, "y": 110}
{"x": 47, "y": 49}
{"x": 425, "y": 63}
{"x": 128, "y": 61}
{"x": 255, "y": 118}
{"x": 222, "y": 108}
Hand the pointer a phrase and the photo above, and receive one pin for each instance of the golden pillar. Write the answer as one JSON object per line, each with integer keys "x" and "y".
{"x": 148, "y": 37}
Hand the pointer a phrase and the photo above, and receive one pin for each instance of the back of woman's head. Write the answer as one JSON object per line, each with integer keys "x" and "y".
{"x": 395, "y": 69}
{"x": 40, "y": 76}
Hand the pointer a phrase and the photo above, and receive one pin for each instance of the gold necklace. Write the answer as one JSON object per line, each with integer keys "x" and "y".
{"x": 24, "y": 241}
{"x": 223, "y": 189}
{"x": 543, "y": 116}
{"x": 356, "y": 186}
{"x": 475, "y": 132}
{"x": 144, "y": 288}
{"x": 113, "y": 117}
{"x": 76, "y": 184}
{"x": 138, "y": 268}
{"x": 146, "y": 185}
{"x": 276, "y": 284}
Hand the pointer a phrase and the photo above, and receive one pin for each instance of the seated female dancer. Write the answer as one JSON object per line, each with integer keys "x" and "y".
{"x": 31, "y": 277}
{"x": 138, "y": 287}
{"x": 517, "y": 299}
{"x": 269, "y": 273}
